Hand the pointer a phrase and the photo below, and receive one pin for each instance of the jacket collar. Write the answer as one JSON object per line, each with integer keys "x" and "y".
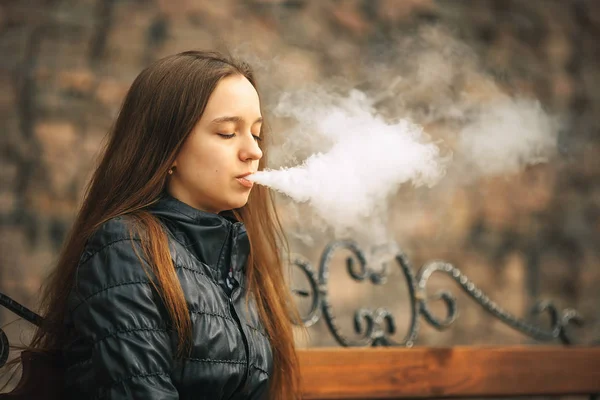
{"x": 217, "y": 240}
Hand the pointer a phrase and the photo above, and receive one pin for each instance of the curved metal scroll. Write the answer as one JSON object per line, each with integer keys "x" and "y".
{"x": 22, "y": 312}
{"x": 375, "y": 327}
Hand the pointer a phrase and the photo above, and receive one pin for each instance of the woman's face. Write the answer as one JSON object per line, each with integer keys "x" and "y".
{"x": 221, "y": 149}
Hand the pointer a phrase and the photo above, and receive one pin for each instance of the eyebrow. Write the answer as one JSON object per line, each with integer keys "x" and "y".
{"x": 234, "y": 119}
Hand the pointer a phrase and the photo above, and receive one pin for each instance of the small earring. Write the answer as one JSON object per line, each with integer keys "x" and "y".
{"x": 171, "y": 171}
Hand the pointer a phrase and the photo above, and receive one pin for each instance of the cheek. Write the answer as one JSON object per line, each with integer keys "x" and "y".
{"x": 210, "y": 160}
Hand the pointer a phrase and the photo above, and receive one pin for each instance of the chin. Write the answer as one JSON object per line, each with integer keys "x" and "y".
{"x": 237, "y": 203}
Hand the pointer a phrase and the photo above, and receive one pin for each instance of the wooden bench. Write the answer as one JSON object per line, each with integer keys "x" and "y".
{"x": 406, "y": 371}
{"x": 425, "y": 372}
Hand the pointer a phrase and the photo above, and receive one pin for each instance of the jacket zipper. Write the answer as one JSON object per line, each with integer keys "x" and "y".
{"x": 244, "y": 339}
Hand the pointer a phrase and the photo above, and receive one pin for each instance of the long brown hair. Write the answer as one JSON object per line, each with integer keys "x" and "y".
{"x": 162, "y": 106}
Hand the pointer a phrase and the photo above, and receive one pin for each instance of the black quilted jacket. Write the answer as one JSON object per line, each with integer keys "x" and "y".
{"x": 123, "y": 345}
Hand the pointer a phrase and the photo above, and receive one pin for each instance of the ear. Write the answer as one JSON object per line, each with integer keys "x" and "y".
{"x": 172, "y": 168}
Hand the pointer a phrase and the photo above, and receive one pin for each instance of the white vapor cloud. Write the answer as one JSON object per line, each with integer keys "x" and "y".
{"x": 366, "y": 161}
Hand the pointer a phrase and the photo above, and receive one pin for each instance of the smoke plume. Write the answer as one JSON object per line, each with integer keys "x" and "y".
{"x": 429, "y": 115}
{"x": 366, "y": 161}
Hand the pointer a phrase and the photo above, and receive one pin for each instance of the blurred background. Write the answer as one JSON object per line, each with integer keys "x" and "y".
{"x": 520, "y": 236}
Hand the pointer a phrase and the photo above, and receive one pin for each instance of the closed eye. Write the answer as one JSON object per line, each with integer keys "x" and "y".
{"x": 231, "y": 135}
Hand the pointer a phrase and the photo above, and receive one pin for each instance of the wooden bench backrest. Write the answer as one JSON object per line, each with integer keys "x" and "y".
{"x": 393, "y": 373}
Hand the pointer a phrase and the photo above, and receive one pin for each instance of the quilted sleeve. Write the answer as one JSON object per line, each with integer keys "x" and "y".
{"x": 115, "y": 308}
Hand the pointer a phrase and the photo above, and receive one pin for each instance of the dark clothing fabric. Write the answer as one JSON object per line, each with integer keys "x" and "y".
{"x": 124, "y": 346}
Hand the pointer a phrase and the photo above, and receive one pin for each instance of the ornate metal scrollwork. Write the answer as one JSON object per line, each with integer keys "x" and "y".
{"x": 558, "y": 322}
{"x": 375, "y": 327}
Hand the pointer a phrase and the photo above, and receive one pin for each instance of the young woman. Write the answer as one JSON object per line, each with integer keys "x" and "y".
{"x": 170, "y": 285}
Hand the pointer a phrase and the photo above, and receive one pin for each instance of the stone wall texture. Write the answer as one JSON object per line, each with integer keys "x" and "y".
{"x": 65, "y": 66}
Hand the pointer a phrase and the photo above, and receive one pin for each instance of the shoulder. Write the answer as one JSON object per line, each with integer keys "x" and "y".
{"x": 113, "y": 256}
{"x": 111, "y": 260}
{"x": 116, "y": 232}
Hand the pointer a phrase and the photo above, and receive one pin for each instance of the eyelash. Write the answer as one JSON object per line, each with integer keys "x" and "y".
{"x": 230, "y": 136}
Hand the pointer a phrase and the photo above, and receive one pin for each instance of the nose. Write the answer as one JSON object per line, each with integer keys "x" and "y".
{"x": 250, "y": 150}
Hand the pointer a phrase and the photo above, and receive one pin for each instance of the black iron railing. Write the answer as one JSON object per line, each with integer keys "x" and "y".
{"x": 376, "y": 326}
{"x": 22, "y": 312}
